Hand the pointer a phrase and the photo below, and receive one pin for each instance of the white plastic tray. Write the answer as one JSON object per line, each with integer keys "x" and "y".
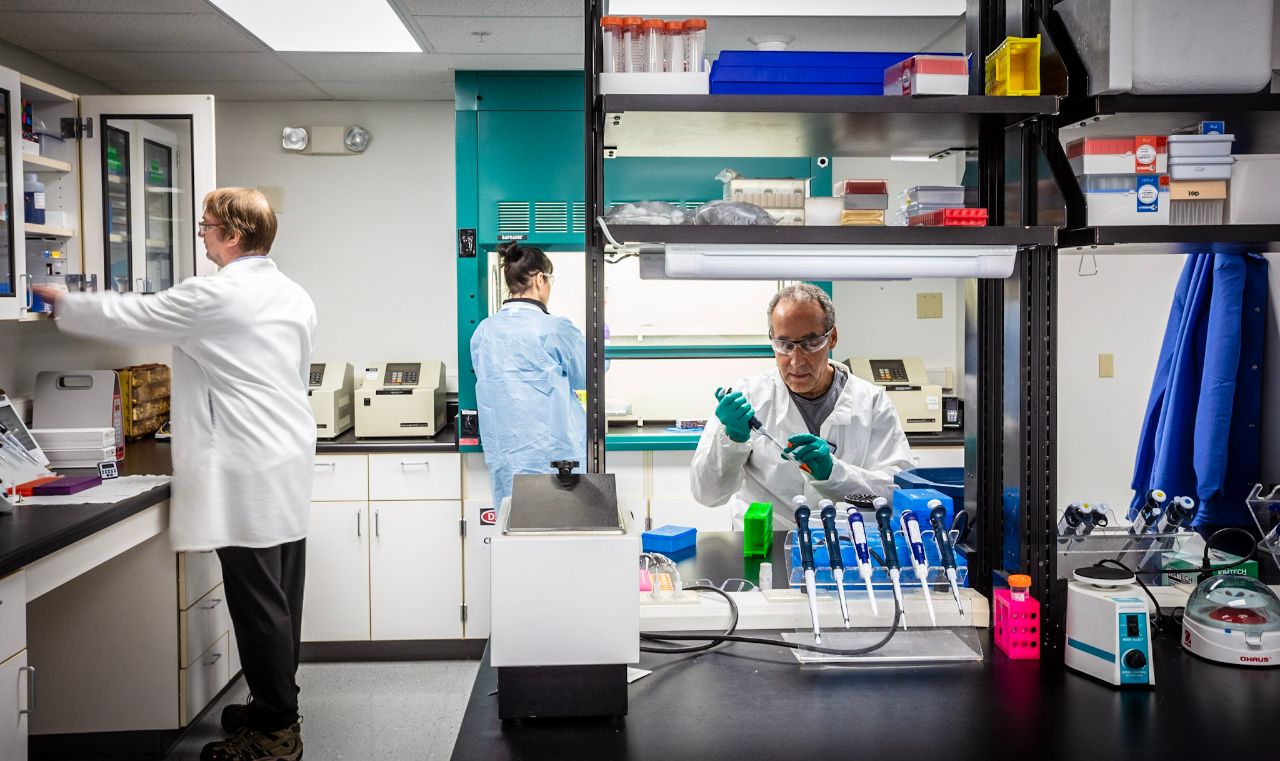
{"x": 1200, "y": 145}
{"x": 1201, "y": 168}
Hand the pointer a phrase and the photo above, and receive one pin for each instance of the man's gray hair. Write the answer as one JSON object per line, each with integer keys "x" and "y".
{"x": 803, "y": 293}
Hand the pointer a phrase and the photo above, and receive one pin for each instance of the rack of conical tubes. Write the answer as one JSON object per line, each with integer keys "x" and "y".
{"x": 862, "y": 550}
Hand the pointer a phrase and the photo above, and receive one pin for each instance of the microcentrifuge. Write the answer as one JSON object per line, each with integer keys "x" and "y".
{"x": 1233, "y": 620}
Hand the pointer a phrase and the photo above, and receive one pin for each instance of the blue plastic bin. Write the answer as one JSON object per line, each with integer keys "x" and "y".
{"x": 949, "y": 481}
{"x": 786, "y": 72}
{"x": 669, "y": 539}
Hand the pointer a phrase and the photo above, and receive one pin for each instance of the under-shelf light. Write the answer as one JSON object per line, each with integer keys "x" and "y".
{"x": 345, "y": 26}
{"x": 824, "y": 262}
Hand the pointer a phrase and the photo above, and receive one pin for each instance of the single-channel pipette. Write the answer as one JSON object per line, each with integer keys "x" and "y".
{"x": 1149, "y": 513}
{"x": 884, "y": 522}
{"x": 755, "y": 425}
{"x": 806, "y": 561}
{"x": 828, "y": 512}
{"x": 911, "y": 530}
{"x": 858, "y": 532}
{"x": 946, "y": 553}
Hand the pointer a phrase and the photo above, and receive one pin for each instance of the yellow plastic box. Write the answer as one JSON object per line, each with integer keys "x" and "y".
{"x": 1014, "y": 67}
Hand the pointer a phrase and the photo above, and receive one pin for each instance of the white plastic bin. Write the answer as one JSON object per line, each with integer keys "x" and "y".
{"x": 1181, "y": 146}
{"x": 1254, "y": 195}
{"x": 1121, "y": 209}
{"x": 1153, "y": 47}
{"x": 1201, "y": 168}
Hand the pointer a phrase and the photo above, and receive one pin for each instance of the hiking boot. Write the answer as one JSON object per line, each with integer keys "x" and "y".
{"x": 252, "y": 745}
{"x": 234, "y": 717}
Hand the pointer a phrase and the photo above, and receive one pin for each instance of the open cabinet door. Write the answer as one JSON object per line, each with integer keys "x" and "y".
{"x": 14, "y": 287}
{"x": 148, "y": 162}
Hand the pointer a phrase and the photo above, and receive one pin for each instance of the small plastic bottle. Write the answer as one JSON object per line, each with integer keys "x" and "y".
{"x": 1019, "y": 587}
{"x": 632, "y": 50}
{"x": 33, "y": 199}
{"x": 653, "y": 33}
{"x": 695, "y": 44}
{"x": 611, "y": 34}
{"x": 674, "y": 56}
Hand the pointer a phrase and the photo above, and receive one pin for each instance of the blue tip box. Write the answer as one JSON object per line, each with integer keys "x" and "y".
{"x": 668, "y": 539}
{"x": 917, "y": 501}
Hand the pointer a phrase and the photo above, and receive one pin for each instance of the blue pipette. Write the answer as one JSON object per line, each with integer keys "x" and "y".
{"x": 806, "y": 561}
{"x": 858, "y": 532}
{"x": 946, "y": 553}
{"x": 828, "y": 512}
{"x": 884, "y": 522}
{"x": 911, "y": 530}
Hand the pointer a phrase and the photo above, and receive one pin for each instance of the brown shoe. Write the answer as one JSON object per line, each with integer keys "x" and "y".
{"x": 252, "y": 745}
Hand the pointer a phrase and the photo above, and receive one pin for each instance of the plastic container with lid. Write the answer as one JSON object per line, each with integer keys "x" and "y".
{"x": 652, "y": 35}
{"x": 1019, "y": 587}
{"x": 33, "y": 199}
{"x": 695, "y": 44}
{"x": 632, "y": 50}
{"x": 1201, "y": 168}
{"x": 674, "y": 53}
{"x": 1200, "y": 145}
{"x": 611, "y": 34}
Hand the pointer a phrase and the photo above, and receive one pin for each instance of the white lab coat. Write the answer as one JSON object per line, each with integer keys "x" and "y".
{"x": 244, "y": 437}
{"x": 870, "y": 448}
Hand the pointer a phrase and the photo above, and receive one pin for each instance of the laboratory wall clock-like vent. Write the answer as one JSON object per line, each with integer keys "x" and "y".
{"x": 513, "y": 218}
{"x": 551, "y": 217}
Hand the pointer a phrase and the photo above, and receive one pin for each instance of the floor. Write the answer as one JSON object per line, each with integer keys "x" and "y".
{"x": 399, "y": 711}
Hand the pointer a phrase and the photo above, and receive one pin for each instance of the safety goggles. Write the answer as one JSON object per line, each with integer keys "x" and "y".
{"x": 808, "y": 345}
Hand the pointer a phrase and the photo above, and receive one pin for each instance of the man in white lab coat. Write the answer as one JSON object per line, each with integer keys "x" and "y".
{"x": 243, "y": 444}
{"x": 842, "y": 429}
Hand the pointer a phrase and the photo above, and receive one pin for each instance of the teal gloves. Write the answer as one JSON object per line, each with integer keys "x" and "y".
{"x": 814, "y": 452}
{"x": 735, "y": 413}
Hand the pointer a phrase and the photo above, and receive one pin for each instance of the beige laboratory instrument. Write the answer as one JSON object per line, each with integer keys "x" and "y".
{"x": 401, "y": 399}
{"x": 918, "y": 403}
{"x": 329, "y": 390}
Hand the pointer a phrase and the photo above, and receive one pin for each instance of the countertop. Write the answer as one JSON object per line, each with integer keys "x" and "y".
{"x": 444, "y": 441}
{"x": 744, "y": 702}
{"x": 31, "y": 532}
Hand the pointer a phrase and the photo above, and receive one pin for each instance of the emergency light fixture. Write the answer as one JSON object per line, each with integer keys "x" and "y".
{"x": 823, "y": 262}
{"x": 325, "y": 141}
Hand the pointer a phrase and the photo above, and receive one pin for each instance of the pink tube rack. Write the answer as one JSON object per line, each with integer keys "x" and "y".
{"x": 1017, "y": 626}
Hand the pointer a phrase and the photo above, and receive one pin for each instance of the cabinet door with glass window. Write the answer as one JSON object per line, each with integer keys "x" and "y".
{"x": 13, "y": 284}
{"x": 147, "y": 165}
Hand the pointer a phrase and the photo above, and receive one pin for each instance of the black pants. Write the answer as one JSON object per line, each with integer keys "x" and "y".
{"x": 264, "y": 597}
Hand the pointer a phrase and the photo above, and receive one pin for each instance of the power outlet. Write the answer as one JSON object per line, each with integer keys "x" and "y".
{"x": 929, "y": 306}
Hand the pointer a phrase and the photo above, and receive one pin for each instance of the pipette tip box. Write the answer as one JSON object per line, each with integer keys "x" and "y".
{"x": 66, "y": 485}
{"x": 757, "y": 530}
{"x": 668, "y": 539}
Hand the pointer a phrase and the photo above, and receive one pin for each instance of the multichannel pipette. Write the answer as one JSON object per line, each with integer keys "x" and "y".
{"x": 826, "y": 509}
{"x": 858, "y": 532}
{"x": 884, "y": 522}
{"x": 911, "y": 530}
{"x": 946, "y": 553}
{"x": 755, "y": 425}
{"x": 806, "y": 561}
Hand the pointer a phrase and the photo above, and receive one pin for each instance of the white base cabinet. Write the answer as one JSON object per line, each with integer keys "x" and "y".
{"x": 409, "y": 595}
{"x": 335, "y": 602}
{"x": 15, "y": 703}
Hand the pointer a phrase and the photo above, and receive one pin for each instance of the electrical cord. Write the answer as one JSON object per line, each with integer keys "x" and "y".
{"x": 715, "y": 641}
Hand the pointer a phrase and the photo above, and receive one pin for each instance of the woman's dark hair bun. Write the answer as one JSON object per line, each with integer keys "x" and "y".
{"x": 511, "y": 252}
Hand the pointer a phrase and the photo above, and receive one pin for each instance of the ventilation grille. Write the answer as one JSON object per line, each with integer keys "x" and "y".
{"x": 513, "y": 218}
{"x": 579, "y": 217}
{"x": 551, "y": 217}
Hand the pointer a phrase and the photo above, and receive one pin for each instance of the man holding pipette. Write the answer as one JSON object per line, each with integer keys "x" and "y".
{"x": 838, "y": 433}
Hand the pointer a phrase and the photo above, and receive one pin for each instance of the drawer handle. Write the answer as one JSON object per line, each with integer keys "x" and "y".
{"x": 406, "y": 465}
{"x": 215, "y": 602}
{"x": 326, "y": 466}
{"x": 31, "y": 689}
{"x": 216, "y": 657}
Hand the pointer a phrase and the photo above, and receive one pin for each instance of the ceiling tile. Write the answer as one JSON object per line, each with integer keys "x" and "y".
{"x": 452, "y": 34}
{"x": 509, "y": 8}
{"x": 300, "y": 90}
{"x": 168, "y": 67}
{"x": 364, "y": 67}
{"x": 383, "y": 90}
{"x": 114, "y": 6}
{"x": 124, "y": 31}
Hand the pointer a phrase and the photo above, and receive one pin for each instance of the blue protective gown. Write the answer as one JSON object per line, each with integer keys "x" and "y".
{"x": 528, "y": 364}
{"x": 1200, "y": 437}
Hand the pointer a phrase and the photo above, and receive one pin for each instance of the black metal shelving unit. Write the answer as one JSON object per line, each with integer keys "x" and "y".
{"x": 787, "y": 235}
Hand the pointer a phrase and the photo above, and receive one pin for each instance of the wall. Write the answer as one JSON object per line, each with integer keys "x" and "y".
{"x": 370, "y": 237}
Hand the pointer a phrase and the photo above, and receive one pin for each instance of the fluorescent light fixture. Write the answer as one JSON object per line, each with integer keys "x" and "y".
{"x": 340, "y": 26}
{"x": 828, "y": 262}
{"x": 695, "y": 8}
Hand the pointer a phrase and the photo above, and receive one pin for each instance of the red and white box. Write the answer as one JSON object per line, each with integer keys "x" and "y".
{"x": 949, "y": 218}
{"x": 928, "y": 75}
{"x": 1143, "y": 154}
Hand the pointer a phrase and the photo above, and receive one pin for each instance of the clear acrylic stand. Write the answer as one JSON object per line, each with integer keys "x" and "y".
{"x": 1265, "y": 510}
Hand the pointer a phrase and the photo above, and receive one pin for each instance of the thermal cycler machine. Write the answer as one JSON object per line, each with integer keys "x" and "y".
{"x": 918, "y": 403}
{"x": 329, "y": 389}
{"x": 401, "y": 399}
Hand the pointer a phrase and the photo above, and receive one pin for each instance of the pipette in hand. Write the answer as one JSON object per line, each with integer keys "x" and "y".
{"x": 828, "y": 512}
{"x": 942, "y": 538}
{"x": 911, "y": 530}
{"x": 858, "y": 533}
{"x": 884, "y": 522}
{"x": 755, "y": 425}
{"x": 806, "y": 561}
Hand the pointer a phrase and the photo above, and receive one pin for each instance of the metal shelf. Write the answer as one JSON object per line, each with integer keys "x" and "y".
{"x": 805, "y": 125}
{"x": 1168, "y": 234}
{"x": 1253, "y": 119}
{"x": 849, "y": 236}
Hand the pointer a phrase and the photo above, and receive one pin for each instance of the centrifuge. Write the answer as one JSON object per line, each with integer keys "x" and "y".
{"x": 1233, "y": 620}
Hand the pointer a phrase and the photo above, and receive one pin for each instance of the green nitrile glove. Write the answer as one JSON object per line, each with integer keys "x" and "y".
{"x": 813, "y": 452}
{"x": 735, "y": 413}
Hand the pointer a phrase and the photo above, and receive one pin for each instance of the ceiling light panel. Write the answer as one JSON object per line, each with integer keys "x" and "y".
{"x": 348, "y": 26}
{"x": 697, "y": 8}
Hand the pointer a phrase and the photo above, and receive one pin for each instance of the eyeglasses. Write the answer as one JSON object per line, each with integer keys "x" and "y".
{"x": 203, "y": 227}
{"x": 550, "y": 278}
{"x": 808, "y": 345}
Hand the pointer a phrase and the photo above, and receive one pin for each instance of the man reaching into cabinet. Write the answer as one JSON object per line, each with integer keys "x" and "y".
{"x": 243, "y": 446}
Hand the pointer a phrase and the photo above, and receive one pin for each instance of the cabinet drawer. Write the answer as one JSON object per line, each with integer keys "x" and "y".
{"x": 412, "y": 476}
{"x": 340, "y": 478}
{"x": 13, "y": 614}
{"x": 202, "y": 682}
{"x": 198, "y": 572}
{"x": 202, "y": 624}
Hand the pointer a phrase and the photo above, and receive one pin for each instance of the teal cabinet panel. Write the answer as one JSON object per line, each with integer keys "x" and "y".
{"x": 531, "y": 176}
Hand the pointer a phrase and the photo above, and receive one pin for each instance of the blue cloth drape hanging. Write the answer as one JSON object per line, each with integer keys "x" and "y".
{"x": 1200, "y": 436}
